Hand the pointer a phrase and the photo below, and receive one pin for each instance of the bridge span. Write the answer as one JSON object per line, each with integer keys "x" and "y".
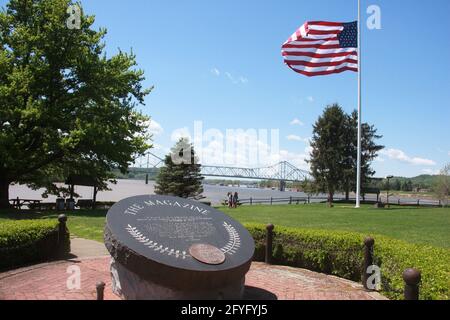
{"x": 282, "y": 171}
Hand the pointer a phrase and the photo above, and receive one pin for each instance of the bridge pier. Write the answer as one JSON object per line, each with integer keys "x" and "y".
{"x": 282, "y": 185}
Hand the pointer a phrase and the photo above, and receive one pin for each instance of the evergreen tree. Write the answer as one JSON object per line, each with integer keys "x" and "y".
{"x": 369, "y": 153}
{"x": 329, "y": 151}
{"x": 396, "y": 185}
{"x": 181, "y": 174}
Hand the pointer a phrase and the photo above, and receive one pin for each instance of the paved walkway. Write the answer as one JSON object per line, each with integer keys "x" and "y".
{"x": 49, "y": 282}
{"x": 83, "y": 248}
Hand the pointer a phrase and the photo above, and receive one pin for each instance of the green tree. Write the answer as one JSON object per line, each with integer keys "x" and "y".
{"x": 396, "y": 185}
{"x": 441, "y": 187}
{"x": 180, "y": 175}
{"x": 65, "y": 106}
{"x": 369, "y": 152}
{"x": 407, "y": 185}
{"x": 329, "y": 151}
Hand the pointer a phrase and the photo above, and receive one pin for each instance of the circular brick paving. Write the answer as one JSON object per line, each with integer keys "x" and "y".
{"x": 49, "y": 282}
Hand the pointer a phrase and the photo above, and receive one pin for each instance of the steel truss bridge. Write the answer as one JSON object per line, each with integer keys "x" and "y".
{"x": 282, "y": 171}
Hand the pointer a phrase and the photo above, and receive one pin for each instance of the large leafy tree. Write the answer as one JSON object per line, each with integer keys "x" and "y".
{"x": 180, "y": 175}
{"x": 329, "y": 151}
{"x": 65, "y": 107}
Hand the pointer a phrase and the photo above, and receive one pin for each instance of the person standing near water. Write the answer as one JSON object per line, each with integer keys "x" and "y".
{"x": 235, "y": 200}
{"x": 230, "y": 200}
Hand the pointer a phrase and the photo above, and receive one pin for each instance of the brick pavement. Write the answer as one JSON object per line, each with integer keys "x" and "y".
{"x": 48, "y": 282}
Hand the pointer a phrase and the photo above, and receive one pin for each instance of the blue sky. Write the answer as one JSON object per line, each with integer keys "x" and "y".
{"x": 219, "y": 62}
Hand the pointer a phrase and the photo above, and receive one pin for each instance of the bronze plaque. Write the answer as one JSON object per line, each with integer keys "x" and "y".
{"x": 207, "y": 254}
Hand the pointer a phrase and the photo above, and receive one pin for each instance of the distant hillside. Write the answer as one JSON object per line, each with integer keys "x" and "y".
{"x": 137, "y": 174}
{"x": 422, "y": 182}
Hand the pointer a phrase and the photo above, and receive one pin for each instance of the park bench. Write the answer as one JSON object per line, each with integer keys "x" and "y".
{"x": 18, "y": 203}
{"x": 85, "y": 204}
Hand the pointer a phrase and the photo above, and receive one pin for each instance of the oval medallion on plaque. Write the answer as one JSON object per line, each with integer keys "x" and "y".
{"x": 207, "y": 254}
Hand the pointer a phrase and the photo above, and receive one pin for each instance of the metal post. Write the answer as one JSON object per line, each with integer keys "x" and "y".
{"x": 412, "y": 278}
{"x": 358, "y": 173}
{"x": 100, "y": 286}
{"x": 62, "y": 232}
{"x": 368, "y": 259}
{"x": 269, "y": 243}
{"x": 94, "y": 202}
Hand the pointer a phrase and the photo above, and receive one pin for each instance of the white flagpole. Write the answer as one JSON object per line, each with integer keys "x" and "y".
{"x": 358, "y": 173}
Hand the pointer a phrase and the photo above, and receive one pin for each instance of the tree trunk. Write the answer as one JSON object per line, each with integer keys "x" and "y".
{"x": 330, "y": 199}
{"x": 347, "y": 192}
{"x": 4, "y": 194}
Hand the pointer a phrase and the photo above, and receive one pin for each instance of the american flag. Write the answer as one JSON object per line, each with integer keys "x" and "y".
{"x": 320, "y": 48}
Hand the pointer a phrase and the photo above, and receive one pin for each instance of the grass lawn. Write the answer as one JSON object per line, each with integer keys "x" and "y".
{"x": 417, "y": 225}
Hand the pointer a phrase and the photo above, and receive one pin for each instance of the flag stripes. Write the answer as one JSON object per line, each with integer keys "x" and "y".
{"x": 322, "y": 48}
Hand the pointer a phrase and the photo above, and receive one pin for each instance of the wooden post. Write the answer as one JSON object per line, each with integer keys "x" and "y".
{"x": 62, "y": 233}
{"x": 251, "y": 201}
{"x": 412, "y": 278}
{"x": 269, "y": 243}
{"x": 271, "y": 200}
{"x": 100, "y": 286}
{"x": 368, "y": 259}
{"x": 290, "y": 200}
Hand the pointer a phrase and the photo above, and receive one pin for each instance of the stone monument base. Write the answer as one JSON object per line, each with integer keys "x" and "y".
{"x": 130, "y": 286}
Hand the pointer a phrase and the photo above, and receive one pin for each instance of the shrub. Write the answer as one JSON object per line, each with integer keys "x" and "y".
{"x": 30, "y": 241}
{"x": 341, "y": 254}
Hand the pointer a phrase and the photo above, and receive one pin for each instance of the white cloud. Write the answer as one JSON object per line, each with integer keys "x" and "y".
{"x": 293, "y": 137}
{"x": 155, "y": 128}
{"x": 296, "y": 159}
{"x": 243, "y": 79}
{"x": 215, "y": 72}
{"x": 181, "y": 133}
{"x": 430, "y": 171}
{"x": 310, "y": 99}
{"x": 236, "y": 80}
{"x": 297, "y": 122}
{"x": 399, "y": 155}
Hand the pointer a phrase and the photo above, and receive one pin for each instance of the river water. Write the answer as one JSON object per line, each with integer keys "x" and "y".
{"x": 128, "y": 188}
